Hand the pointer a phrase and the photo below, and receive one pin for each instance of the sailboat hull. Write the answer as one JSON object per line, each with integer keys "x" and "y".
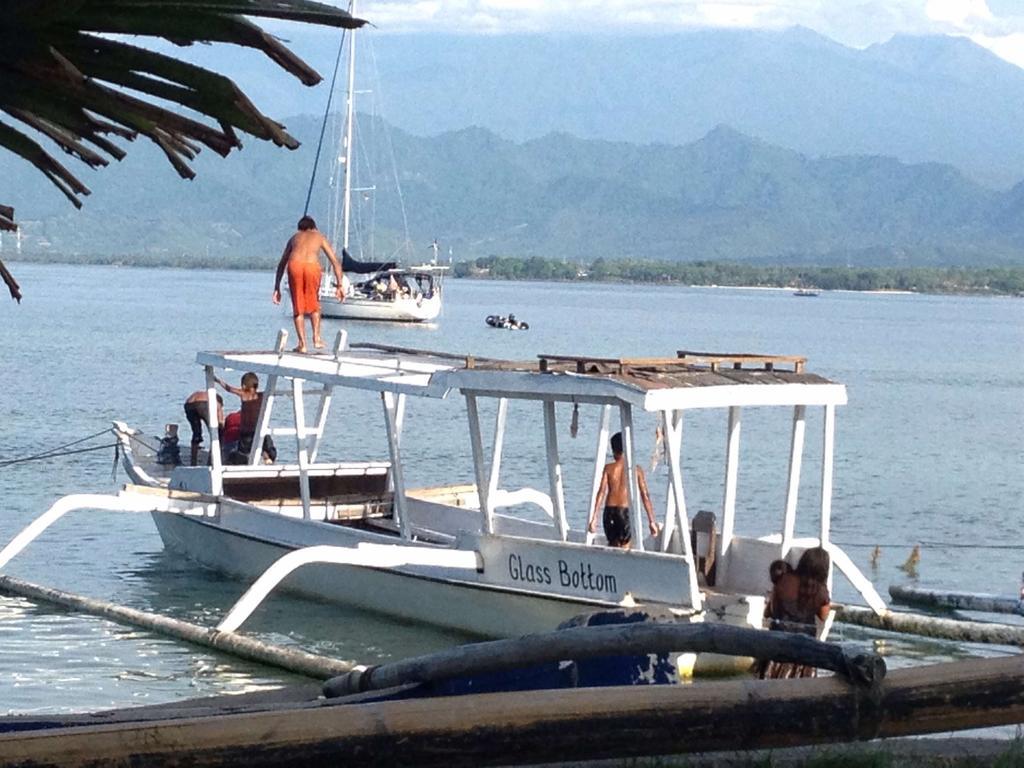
{"x": 401, "y": 309}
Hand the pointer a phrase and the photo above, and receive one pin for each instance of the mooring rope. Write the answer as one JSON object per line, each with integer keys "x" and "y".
{"x": 59, "y": 450}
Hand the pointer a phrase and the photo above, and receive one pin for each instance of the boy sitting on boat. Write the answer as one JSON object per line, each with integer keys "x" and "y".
{"x": 236, "y": 451}
{"x": 614, "y": 494}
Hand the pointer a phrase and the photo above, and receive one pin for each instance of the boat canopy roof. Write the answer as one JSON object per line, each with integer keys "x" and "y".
{"x": 688, "y": 380}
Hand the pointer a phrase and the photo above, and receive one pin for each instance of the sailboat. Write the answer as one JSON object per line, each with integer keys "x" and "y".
{"x": 376, "y": 290}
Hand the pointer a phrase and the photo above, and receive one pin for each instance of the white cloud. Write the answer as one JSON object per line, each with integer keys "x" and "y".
{"x": 997, "y": 24}
{"x": 960, "y": 13}
{"x": 1009, "y": 47}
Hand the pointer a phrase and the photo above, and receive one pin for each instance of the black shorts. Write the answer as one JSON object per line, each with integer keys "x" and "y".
{"x": 616, "y": 526}
{"x": 197, "y": 414}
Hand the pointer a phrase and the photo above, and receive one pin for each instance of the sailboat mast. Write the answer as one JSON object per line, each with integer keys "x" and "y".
{"x": 349, "y": 117}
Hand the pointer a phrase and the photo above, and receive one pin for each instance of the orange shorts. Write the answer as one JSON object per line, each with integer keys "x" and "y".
{"x": 304, "y": 284}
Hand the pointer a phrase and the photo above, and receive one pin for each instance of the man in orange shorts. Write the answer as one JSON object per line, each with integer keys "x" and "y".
{"x": 301, "y": 257}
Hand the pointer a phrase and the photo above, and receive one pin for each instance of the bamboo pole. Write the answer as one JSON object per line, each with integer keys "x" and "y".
{"x": 293, "y": 660}
{"x": 966, "y": 601}
{"x": 932, "y": 626}
{"x": 533, "y": 727}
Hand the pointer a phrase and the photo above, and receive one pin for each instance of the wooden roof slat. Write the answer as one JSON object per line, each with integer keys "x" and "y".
{"x": 716, "y": 360}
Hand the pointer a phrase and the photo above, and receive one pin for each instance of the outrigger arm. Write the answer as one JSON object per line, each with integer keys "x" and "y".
{"x": 125, "y": 501}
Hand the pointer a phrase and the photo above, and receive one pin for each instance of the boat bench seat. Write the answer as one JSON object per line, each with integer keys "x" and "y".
{"x": 323, "y": 487}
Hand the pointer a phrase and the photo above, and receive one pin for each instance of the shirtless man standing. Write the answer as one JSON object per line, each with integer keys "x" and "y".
{"x": 301, "y": 257}
{"x": 615, "y": 489}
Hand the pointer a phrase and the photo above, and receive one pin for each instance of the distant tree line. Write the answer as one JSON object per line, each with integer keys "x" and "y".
{"x": 980, "y": 280}
{"x": 992, "y": 280}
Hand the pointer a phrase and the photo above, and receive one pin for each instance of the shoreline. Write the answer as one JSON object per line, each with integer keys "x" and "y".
{"x": 965, "y": 290}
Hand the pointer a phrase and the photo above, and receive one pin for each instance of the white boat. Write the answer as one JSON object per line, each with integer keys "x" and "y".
{"x": 465, "y": 556}
{"x": 407, "y": 295}
{"x": 381, "y": 290}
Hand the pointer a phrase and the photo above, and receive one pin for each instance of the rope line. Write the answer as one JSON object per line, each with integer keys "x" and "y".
{"x": 53, "y": 451}
{"x": 55, "y": 454}
{"x": 138, "y": 439}
{"x": 323, "y": 124}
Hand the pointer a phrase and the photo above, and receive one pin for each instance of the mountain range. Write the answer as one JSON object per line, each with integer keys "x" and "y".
{"x": 726, "y": 196}
{"x": 918, "y": 99}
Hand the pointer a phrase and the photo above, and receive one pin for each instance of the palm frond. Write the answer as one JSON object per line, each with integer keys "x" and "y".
{"x": 61, "y": 76}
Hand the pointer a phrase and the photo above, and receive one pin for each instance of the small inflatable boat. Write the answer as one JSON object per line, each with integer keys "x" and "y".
{"x": 509, "y": 323}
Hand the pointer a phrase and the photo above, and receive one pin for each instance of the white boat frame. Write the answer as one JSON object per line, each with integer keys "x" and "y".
{"x": 452, "y": 555}
{"x": 530, "y": 574}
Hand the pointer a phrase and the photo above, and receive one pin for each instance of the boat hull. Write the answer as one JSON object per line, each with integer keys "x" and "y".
{"x": 401, "y": 310}
{"x": 471, "y": 608}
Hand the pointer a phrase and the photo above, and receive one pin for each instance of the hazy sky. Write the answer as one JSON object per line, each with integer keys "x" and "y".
{"x": 996, "y": 24}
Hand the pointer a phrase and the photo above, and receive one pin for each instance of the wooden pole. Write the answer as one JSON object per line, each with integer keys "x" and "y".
{"x": 932, "y": 626}
{"x": 966, "y": 601}
{"x": 290, "y": 659}
{"x": 534, "y": 727}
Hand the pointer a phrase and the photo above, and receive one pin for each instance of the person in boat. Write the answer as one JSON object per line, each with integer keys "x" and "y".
{"x": 613, "y": 493}
{"x": 197, "y": 413}
{"x": 798, "y": 600}
{"x": 249, "y": 415}
{"x": 230, "y": 435}
{"x": 301, "y": 258}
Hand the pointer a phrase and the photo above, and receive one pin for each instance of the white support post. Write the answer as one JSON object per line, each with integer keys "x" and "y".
{"x": 671, "y": 519}
{"x": 496, "y": 448}
{"x": 796, "y": 452}
{"x": 299, "y": 408}
{"x": 827, "y": 463}
{"x": 732, "y": 463}
{"x": 477, "y": 444}
{"x": 266, "y": 406}
{"x": 399, "y": 429}
{"x": 263, "y": 423}
{"x": 673, "y": 444}
{"x": 635, "y": 514}
{"x": 321, "y": 421}
{"x": 555, "y": 469}
{"x": 676, "y": 516}
{"x": 600, "y": 454}
{"x": 213, "y": 423}
{"x": 326, "y": 394}
{"x": 393, "y": 407}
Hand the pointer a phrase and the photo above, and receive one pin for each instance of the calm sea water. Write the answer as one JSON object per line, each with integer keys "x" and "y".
{"x": 929, "y": 450}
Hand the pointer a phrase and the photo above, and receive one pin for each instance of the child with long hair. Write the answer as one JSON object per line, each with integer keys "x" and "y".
{"x": 797, "y": 600}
